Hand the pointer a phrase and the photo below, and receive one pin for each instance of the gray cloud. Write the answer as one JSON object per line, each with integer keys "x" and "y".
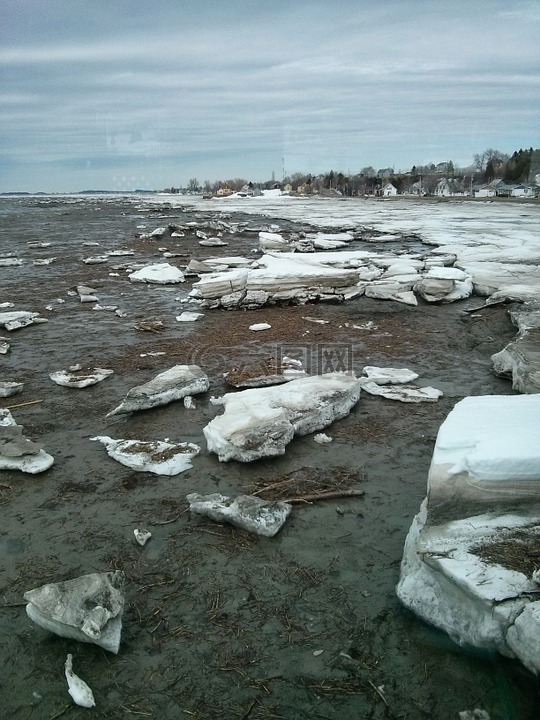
{"x": 92, "y": 91}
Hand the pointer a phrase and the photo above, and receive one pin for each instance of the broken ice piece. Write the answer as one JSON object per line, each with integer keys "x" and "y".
{"x": 8, "y": 388}
{"x": 189, "y": 403}
{"x": 322, "y": 438}
{"x": 88, "y": 608}
{"x": 173, "y": 384}
{"x": 160, "y": 458}
{"x": 142, "y": 536}
{"x": 189, "y": 316}
{"x": 76, "y": 379}
{"x": 247, "y": 512}
{"x": 77, "y": 688}
{"x": 17, "y": 452}
{"x": 385, "y": 376}
{"x": 260, "y": 326}
{"x": 4, "y": 345}
{"x": 403, "y": 393}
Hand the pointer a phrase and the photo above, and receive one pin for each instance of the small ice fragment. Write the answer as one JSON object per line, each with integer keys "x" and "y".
{"x": 316, "y": 653}
{"x": 142, "y": 536}
{"x": 189, "y": 402}
{"x": 77, "y": 688}
{"x": 260, "y": 326}
{"x": 322, "y": 438}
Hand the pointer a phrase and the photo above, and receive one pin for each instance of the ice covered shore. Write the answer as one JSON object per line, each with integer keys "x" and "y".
{"x": 469, "y": 561}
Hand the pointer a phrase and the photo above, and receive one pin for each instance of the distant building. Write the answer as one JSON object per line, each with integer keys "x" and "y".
{"x": 389, "y": 190}
{"x": 385, "y": 172}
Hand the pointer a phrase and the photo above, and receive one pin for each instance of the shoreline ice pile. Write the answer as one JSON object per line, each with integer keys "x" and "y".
{"x": 483, "y": 491}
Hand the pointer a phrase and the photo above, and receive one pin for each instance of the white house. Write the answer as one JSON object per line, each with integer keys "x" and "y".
{"x": 389, "y": 190}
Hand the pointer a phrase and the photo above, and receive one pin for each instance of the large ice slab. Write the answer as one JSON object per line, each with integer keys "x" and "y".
{"x": 466, "y": 566}
{"x": 487, "y": 451}
{"x": 520, "y": 359}
{"x": 261, "y": 422}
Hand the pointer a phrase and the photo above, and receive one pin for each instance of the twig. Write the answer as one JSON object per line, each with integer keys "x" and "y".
{"x": 332, "y": 494}
{"x": 30, "y": 402}
{"x": 379, "y": 693}
{"x": 18, "y": 604}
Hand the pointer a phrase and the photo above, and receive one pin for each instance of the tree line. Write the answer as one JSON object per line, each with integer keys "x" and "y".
{"x": 520, "y": 167}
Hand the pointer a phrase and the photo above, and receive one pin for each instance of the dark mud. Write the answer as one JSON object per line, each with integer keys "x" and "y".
{"x": 219, "y": 624}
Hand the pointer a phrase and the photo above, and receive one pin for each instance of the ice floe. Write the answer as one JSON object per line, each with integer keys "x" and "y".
{"x": 520, "y": 359}
{"x": 464, "y": 566}
{"x": 168, "y": 386}
{"x": 8, "y": 388}
{"x": 247, "y": 512}
{"x": 87, "y": 608}
{"x": 76, "y": 377}
{"x": 17, "y": 452}
{"x": 261, "y": 422}
{"x": 158, "y": 457}
{"x": 390, "y": 383}
{"x": 160, "y": 274}
{"x": 19, "y": 318}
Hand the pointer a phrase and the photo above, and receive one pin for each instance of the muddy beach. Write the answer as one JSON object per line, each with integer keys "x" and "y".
{"x": 219, "y": 623}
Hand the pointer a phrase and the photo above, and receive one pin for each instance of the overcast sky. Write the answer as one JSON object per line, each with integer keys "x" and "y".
{"x": 125, "y": 94}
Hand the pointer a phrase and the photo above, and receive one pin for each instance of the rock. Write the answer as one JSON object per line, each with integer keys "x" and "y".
{"x": 403, "y": 393}
{"x": 88, "y": 608}
{"x": 261, "y": 422}
{"x": 168, "y": 386}
{"x": 247, "y": 512}
{"x": 77, "y": 688}
{"x": 160, "y": 274}
{"x": 160, "y": 458}
{"x": 465, "y": 565}
{"x": 8, "y": 388}
{"x": 77, "y": 379}
{"x": 17, "y": 452}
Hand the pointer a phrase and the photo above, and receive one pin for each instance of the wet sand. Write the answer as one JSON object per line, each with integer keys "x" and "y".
{"x": 218, "y": 623}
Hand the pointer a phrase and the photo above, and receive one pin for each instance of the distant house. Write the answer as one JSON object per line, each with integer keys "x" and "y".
{"x": 484, "y": 191}
{"x": 449, "y": 187}
{"x": 389, "y": 190}
{"x": 224, "y": 191}
{"x": 415, "y": 189}
{"x": 519, "y": 191}
{"x": 385, "y": 172}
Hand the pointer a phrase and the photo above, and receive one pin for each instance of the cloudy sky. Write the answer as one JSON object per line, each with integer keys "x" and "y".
{"x": 124, "y": 94}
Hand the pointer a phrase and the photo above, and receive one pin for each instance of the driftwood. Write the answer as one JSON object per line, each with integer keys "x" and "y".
{"x": 330, "y": 495}
{"x": 30, "y": 402}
